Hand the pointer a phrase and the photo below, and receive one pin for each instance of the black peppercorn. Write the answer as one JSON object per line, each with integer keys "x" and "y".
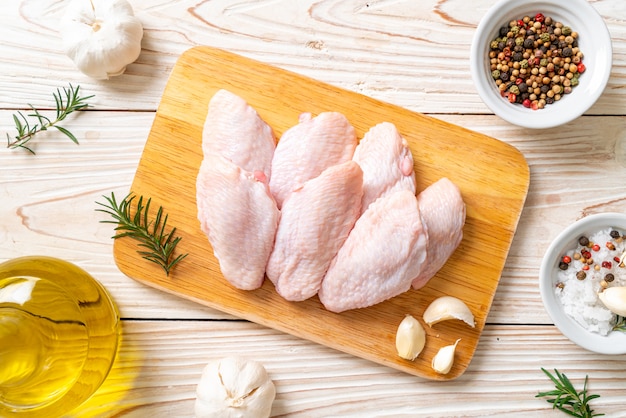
{"x": 609, "y": 277}
{"x": 563, "y": 265}
{"x": 504, "y": 30}
{"x": 518, "y": 56}
{"x": 504, "y": 76}
{"x": 529, "y": 43}
{"x": 581, "y": 275}
{"x": 584, "y": 241}
{"x": 567, "y": 52}
{"x": 523, "y": 87}
{"x": 614, "y": 234}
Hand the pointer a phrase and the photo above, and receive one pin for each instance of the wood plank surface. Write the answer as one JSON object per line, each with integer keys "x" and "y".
{"x": 494, "y": 189}
{"x": 157, "y": 375}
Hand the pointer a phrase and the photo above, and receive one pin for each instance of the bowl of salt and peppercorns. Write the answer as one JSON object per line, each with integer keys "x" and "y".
{"x": 541, "y": 63}
{"x": 582, "y": 280}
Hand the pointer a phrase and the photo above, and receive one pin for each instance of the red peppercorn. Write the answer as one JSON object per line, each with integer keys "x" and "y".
{"x": 586, "y": 254}
{"x": 521, "y": 23}
{"x": 616, "y": 259}
{"x": 539, "y": 18}
{"x": 595, "y": 247}
{"x": 567, "y": 259}
{"x": 607, "y": 264}
{"x": 526, "y": 103}
{"x": 512, "y": 98}
{"x": 534, "y": 105}
{"x": 586, "y": 267}
{"x": 581, "y": 67}
{"x": 519, "y": 81}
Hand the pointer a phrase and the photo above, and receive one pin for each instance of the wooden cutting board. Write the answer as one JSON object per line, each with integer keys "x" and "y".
{"x": 493, "y": 178}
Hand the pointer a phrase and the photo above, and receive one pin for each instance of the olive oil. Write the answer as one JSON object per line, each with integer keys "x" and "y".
{"x": 59, "y": 333}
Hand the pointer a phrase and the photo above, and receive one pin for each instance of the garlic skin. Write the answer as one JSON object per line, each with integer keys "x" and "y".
{"x": 101, "y": 36}
{"x": 444, "y": 359}
{"x": 410, "y": 338}
{"x": 234, "y": 387}
{"x": 448, "y": 307}
{"x": 614, "y": 298}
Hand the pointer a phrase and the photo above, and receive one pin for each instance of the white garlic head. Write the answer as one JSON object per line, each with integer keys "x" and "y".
{"x": 234, "y": 387}
{"x": 101, "y": 36}
{"x": 410, "y": 338}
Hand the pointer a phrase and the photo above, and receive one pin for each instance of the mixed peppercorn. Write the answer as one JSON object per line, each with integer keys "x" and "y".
{"x": 535, "y": 61}
{"x": 585, "y": 255}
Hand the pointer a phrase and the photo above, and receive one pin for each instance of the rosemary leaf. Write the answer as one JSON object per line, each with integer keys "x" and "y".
{"x": 156, "y": 245}
{"x": 566, "y": 398}
{"x": 66, "y": 102}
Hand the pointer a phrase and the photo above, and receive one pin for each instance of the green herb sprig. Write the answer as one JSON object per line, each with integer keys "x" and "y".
{"x": 29, "y": 125}
{"x": 620, "y": 324}
{"x": 566, "y": 398}
{"x": 151, "y": 234}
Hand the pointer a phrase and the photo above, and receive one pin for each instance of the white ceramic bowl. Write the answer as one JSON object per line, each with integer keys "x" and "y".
{"x": 615, "y": 341}
{"x": 594, "y": 42}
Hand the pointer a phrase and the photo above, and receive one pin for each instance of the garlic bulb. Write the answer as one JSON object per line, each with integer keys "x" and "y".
{"x": 444, "y": 359}
{"x": 234, "y": 387}
{"x": 448, "y": 307}
{"x": 410, "y": 338}
{"x": 614, "y": 298}
{"x": 101, "y": 36}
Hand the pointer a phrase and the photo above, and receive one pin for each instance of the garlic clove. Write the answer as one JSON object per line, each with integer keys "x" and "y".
{"x": 410, "y": 338}
{"x": 448, "y": 307}
{"x": 614, "y": 298}
{"x": 101, "y": 36}
{"x": 444, "y": 359}
{"x": 234, "y": 387}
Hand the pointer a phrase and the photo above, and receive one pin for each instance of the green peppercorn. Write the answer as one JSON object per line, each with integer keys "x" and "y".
{"x": 545, "y": 37}
{"x": 566, "y": 30}
{"x": 523, "y": 63}
{"x": 514, "y": 89}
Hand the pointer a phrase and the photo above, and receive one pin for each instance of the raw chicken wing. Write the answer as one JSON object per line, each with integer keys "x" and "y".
{"x": 384, "y": 252}
{"x": 315, "y": 221}
{"x": 240, "y": 218}
{"x": 234, "y": 130}
{"x": 307, "y": 149}
{"x": 386, "y": 161}
{"x": 443, "y": 214}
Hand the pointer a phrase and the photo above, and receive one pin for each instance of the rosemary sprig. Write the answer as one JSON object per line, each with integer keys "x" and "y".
{"x": 151, "y": 235}
{"x": 567, "y": 398}
{"x": 66, "y": 102}
{"x": 620, "y": 324}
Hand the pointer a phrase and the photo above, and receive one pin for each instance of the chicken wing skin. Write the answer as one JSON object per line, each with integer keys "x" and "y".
{"x": 386, "y": 161}
{"x": 383, "y": 253}
{"x": 443, "y": 214}
{"x": 308, "y": 148}
{"x": 315, "y": 221}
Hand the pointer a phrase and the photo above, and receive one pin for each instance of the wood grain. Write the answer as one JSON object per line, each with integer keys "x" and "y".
{"x": 494, "y": 188}
{"x": 160, "y": 362}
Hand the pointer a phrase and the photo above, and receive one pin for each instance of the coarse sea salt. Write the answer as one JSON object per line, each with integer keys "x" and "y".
{"x": 580, "y": 297}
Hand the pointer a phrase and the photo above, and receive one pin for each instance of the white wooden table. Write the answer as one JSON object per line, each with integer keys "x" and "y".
{"x": 413, "y": 54}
